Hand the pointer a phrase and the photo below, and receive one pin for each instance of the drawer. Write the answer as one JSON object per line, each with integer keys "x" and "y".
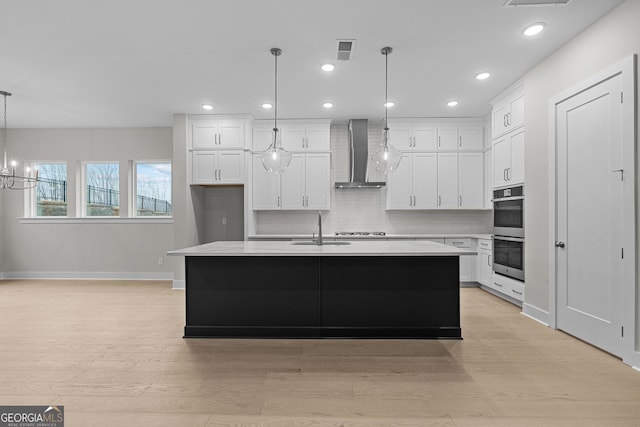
{"x": 458, "y": 243}
{"x": 508, "y": 286}
{"x": 516, "y": 291}
{"x": 485, "y": 244}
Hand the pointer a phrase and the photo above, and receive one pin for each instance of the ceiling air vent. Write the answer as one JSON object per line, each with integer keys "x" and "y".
{"x": 536, "y": 2}
{"x": 345, "y": 49}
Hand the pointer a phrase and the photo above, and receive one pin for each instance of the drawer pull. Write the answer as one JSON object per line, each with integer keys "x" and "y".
{"x": 497, "y": 284}
{"x": 516, "y": 292}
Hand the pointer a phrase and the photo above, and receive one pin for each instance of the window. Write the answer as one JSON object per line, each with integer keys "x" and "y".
{"x": 51, "y": 190}
{"x": 153, "y": 188}
{"x": 102, "y": 191}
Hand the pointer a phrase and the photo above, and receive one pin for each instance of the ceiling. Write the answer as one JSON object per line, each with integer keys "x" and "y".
{"x": 134, "y": 63}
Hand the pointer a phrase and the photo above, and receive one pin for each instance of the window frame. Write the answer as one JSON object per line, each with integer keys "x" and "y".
{"x": 133, "y": 188}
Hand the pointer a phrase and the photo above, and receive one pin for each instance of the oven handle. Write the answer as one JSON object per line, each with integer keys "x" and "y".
{"x": 509, "y": 239}
{"x": 506, "y": 199}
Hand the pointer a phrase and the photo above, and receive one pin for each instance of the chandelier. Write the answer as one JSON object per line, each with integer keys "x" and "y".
{"x": 9, "y": 180}
{"x": 275, "y": 158}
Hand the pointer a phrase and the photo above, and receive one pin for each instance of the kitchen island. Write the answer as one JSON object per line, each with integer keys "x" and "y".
{"x": 365, "y": 289}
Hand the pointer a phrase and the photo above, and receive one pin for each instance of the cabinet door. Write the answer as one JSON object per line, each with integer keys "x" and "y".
{"x": 203, "y": 167}
{"x": 400, "y": 185}
{"x": 401, "y": 136}
{"x": 293, "y": 137}
{"x": 488, "y": 180}
{"x": 318, "y": 181}
{"x": 447, "y": 138}
{"x": 499, "y": 119}
{"x": 230, "y": 167}
{"x": 318, "y": 139}
{"x": 448, "y": 181}
{"x": 231, "y": 134}
{"x": 501, "y": 161}
{"x": 470, "y": 138}
{"x": 425, "y": 180}
{"x": 516, "y": 111}
{"x": 471, "y": 180}
{"x": 293, "y": 188}
{"x": 261, "y": 139}
{"x": 425, "y": 138}
{"x": 485, "y": 268}
{"x": 266, "y": 187}
{"x": 204, "y": 135}
{"x": 515, "y": 173}
{"x": 467, "y": 268}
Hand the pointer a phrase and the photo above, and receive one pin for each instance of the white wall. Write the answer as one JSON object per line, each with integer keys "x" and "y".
{"x": 85, "y": 249}
{"x": 612, "y": 38}
{"x": 364, "y": 209}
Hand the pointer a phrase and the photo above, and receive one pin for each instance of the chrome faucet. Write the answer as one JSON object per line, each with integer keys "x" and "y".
{"x": 319, "y": 228}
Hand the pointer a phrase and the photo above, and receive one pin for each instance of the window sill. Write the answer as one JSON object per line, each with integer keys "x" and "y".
{"x": 96, "y": 220}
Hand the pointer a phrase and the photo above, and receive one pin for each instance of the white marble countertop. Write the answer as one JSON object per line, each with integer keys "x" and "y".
{"x": 331, "y": 236}
{"x": 356, "y": 248}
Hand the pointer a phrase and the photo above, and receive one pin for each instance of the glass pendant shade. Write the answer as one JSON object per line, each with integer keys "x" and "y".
{"x": 275, "y": 159}
{"x": 386, "y": 158}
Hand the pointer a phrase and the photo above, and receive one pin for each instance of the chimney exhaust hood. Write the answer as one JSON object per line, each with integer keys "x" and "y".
{"x": 359, "y": 157}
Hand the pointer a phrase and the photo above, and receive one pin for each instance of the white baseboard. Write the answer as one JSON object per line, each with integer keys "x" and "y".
{"x": 536, "y": 314}
{"x": 179, "y": 284}
{"x": 84, "y": 275}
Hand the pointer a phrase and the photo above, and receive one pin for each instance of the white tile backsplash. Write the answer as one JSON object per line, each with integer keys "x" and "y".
{"x": 364, "y": 209}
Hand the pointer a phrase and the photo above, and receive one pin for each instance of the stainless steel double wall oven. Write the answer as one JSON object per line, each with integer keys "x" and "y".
{"x": 508, "y": 231}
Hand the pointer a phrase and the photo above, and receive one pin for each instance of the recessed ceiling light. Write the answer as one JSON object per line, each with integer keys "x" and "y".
{"x": 452, "y": 103}
{"x": 327, "y": 105}
{"x": 207, "y": 106}
{"x": 328, "y": 67}
{"x": 266, "y": 106}
{"x": 389, "y": 104}
{"x": 483, "y": 76}
{"x": 534, "y": 29}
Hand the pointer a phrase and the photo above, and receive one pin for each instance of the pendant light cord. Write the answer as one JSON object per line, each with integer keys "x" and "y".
{"x": 4, "y": 128}
{"x": 386, "y": 83}
{"x": 275, "y": 115}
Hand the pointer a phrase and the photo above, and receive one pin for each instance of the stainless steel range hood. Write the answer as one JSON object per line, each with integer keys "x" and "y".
{"x": 359, "y": 157}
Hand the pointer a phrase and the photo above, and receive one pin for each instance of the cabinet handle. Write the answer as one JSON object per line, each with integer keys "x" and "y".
{"x": 410, "y": 200}
{"x": 489, "y": 260}
{"x": 438, "y": 141}
{"x": 439, "y": 200}
{"x": 459, "y": 200}
{"x": 508, "y": 174}
{"x": 278, "y": 201}
{"x": 497, "y": 284}
{"x": 459, "y": 141}
{"x": 516, "y": 292}
{"x": 508, "y": 119}
{"x": 220, "y": 174}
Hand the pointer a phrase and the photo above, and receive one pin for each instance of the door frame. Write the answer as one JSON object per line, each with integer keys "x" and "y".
{"x": 626, "y": 68}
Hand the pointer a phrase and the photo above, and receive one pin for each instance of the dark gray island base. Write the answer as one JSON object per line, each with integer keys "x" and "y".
{"x": 288, "y": 296}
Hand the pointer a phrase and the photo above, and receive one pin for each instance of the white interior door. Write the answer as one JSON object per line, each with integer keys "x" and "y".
{"x": 589, "y": 215}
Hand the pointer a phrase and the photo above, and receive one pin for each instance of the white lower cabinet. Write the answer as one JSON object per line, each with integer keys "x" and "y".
{"x": 508, "y": 286}
{"x": 484, "y": 262}
{"x": 219, "y": 167}
{"x": 467, "y": 262}
{"x": 304, "y": 185}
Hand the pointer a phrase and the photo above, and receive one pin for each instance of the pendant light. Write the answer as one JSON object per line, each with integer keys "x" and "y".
{"x": 386, "y": 158}
{"x": 275, "y": 159}
{"x": 8, "y": 178}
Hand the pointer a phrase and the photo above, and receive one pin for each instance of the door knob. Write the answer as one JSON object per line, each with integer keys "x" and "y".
{"x": 559, "y": 244}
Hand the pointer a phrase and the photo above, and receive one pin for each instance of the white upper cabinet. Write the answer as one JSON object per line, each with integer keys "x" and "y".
{"x": 447, "y": 138}
{"x": 470, "y": 138}
{"x": 508, "y": 113}
{"x": 508, "y": 159}
{"x": 448, "y": 181}
{"x": 296, "y": 135}
{"x": 218, "y": 133}
{"x": 305, "y": 185}
{"x": 414, "y": 185}
{"x": 407, "y": 136}
{"x": 218, "y": 167}
{"x": 471, "y": 180}
{"x": 306, "y": 137}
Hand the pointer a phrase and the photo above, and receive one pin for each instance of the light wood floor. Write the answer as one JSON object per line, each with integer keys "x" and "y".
{"x": 113, "y": 354}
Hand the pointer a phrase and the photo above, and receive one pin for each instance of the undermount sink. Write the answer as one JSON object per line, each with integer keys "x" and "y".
{"x": 314, "y": 243}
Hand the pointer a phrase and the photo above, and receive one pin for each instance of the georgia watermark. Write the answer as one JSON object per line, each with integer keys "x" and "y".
{"x": 32, "y": 416}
